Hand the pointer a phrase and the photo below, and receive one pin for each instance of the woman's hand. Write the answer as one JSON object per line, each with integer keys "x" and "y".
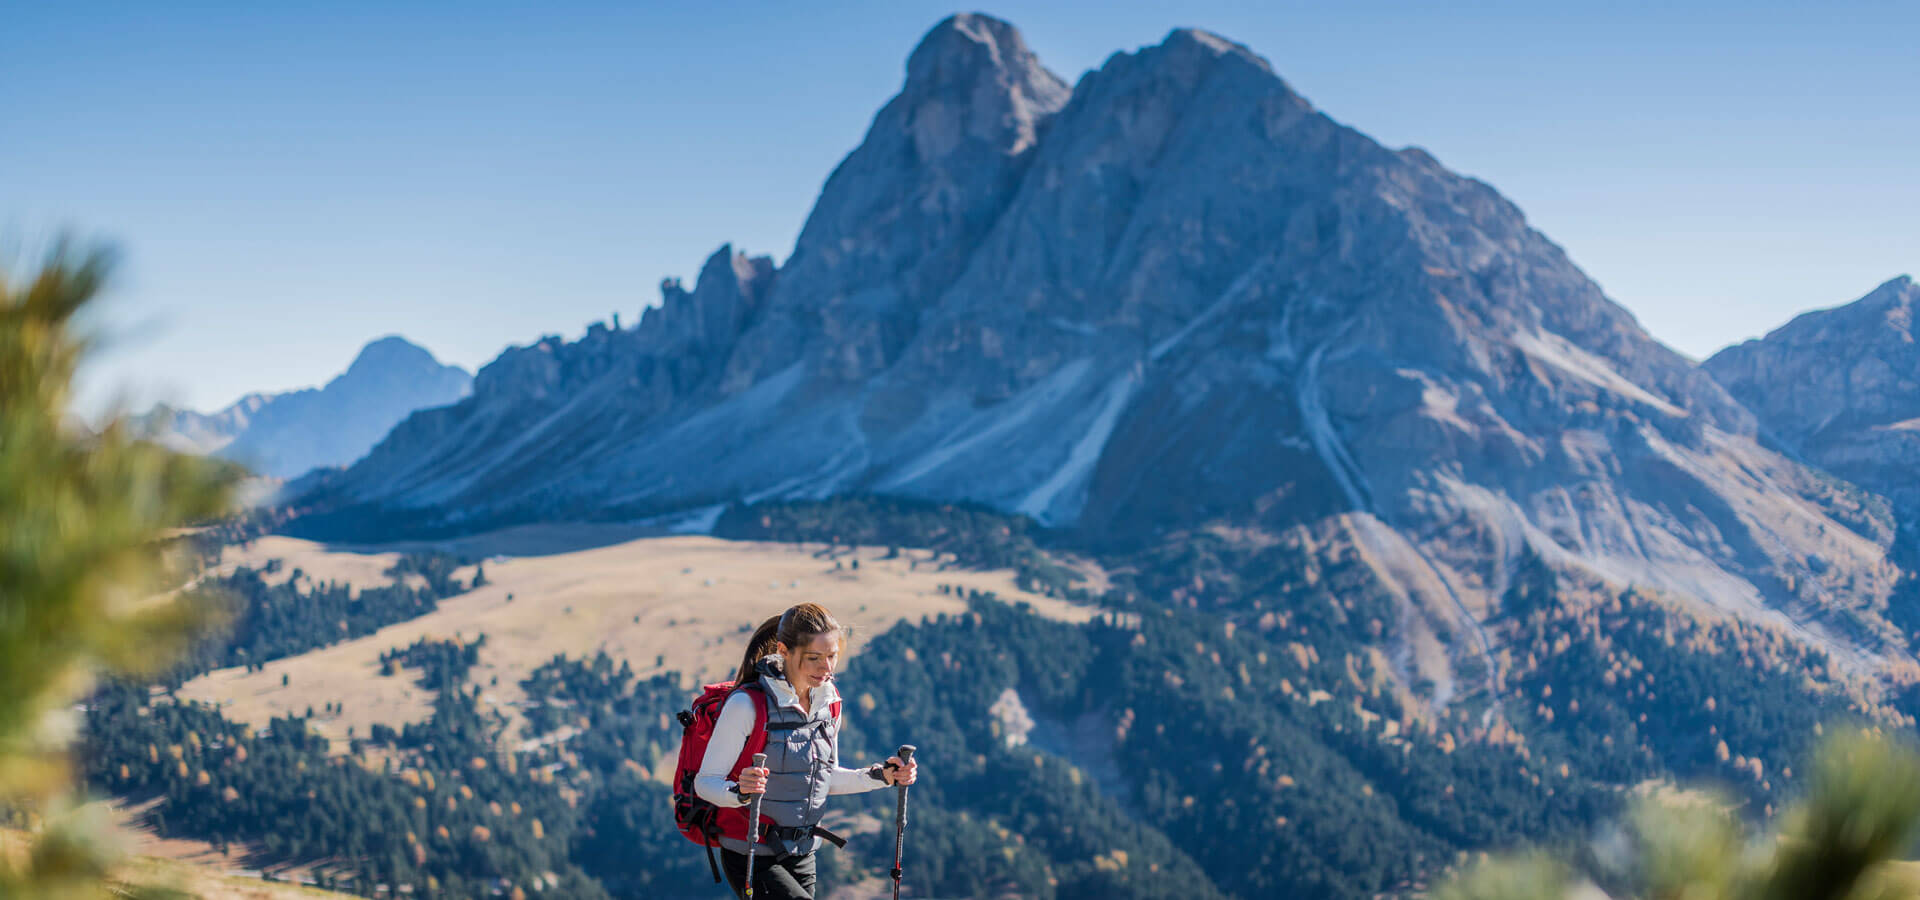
{"x": 753, "y": 781}
{"x": 901, "y": 774}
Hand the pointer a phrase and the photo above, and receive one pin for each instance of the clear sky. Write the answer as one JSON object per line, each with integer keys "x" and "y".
{"x": 286, "y": 183}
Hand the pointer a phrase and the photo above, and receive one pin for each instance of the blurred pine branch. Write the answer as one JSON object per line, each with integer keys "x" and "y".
{"x": 86, "y": 519}
{"x": 1843, "y": 841}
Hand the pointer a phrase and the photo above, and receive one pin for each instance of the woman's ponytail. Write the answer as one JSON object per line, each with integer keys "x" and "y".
{"x": 796, "y": 627}
{"x": 763, "y": 643}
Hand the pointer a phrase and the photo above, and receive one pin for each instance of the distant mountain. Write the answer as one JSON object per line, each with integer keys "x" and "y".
{"x": 285, "y": 435}
{"x": 202, "y": 433}
{"x": 1176, "y": 293}
{"x": 1841, "y": 388}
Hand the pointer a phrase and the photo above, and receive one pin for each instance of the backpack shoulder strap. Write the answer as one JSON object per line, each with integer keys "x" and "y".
{"x": 757, "y": 738}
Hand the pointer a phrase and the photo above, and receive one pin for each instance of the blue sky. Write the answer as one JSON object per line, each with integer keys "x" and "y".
{"x": 286, "y": 184}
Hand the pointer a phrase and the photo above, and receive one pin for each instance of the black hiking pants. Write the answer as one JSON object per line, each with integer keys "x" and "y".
{"x": 774, "y": 877}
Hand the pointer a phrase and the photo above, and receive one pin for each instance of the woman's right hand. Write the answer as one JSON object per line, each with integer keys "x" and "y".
{"x": 753, "y": 781}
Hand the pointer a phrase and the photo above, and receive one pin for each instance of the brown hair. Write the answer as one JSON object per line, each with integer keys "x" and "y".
{"x": 796, "y": 627}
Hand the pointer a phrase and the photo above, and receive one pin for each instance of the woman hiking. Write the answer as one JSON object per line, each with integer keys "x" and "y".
{"x": 790, "y": 658}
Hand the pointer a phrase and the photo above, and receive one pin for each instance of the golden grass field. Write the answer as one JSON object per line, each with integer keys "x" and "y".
{"x": 681, "y": 603}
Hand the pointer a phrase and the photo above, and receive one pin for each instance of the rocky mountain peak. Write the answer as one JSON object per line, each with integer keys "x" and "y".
{"x": 1864, "y": 319}
{"x": 1897, "y": 283}
{"x": 390, "y": 353}
{"x": 1195, "y": 62}
{"x": 1841, "y": 388}
{"x": 284, "y": 435}
{"x": 986, "y": 61}
{"x": 1894, "y": 301}
{"x": 1198, "y": 43}
{"x": 972, "y": 85}
{"x": 901, "y": 215}
{"x": 1837, "y": 367}
{"x": 981, "y": 64}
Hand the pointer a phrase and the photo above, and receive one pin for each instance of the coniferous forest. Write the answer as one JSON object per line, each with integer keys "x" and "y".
{"x": 1222, "y": 727}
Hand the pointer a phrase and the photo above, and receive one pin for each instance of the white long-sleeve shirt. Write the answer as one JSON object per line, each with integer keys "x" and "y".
{"x": 730, "y": 737}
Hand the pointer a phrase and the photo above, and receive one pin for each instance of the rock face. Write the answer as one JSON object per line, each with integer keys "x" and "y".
{"x": 1174, "y": 294}
{"x": 285, "y": 435}
{"x": 1841, "y": 388}
{"x": 905, "y": 212}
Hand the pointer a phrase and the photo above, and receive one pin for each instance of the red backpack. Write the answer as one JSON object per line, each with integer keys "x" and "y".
{"x": 699, "y": 821}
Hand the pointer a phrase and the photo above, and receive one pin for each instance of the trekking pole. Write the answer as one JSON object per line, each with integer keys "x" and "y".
{"x": 900, "y": 819}
{"x": 753, "y": 825}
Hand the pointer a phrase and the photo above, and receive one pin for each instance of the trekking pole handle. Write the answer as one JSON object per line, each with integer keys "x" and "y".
{"x": 759, "y": 761}
{"x": 906, "y": 758}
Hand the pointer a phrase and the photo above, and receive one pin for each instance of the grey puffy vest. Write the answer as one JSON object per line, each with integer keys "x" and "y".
{"x": 800, "y": 759}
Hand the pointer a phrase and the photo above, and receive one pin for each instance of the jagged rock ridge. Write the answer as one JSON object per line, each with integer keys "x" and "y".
{"x": 1175, "y": 293}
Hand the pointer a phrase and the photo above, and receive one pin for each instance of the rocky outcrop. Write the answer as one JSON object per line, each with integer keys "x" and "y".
{"x": 902, "y": 215}
{"x": 707, "y": 320}
{"x": 1176, "y": 293}
{"x": 1841, "y": 388}
{"x": 285, "y": 435}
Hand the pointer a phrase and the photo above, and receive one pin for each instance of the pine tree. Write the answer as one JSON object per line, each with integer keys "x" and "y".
{"x": 87, "y": 519}
{"x": 1842, "y": 842}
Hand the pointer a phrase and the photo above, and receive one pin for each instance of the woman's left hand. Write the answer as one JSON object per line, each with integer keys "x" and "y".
{"x": 900, "y": 774}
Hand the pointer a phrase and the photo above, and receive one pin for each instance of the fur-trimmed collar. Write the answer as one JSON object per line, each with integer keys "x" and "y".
{"x": 773, "y": 673}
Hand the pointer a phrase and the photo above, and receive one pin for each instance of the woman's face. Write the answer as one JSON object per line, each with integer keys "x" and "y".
{"x": 810, "y": 666}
